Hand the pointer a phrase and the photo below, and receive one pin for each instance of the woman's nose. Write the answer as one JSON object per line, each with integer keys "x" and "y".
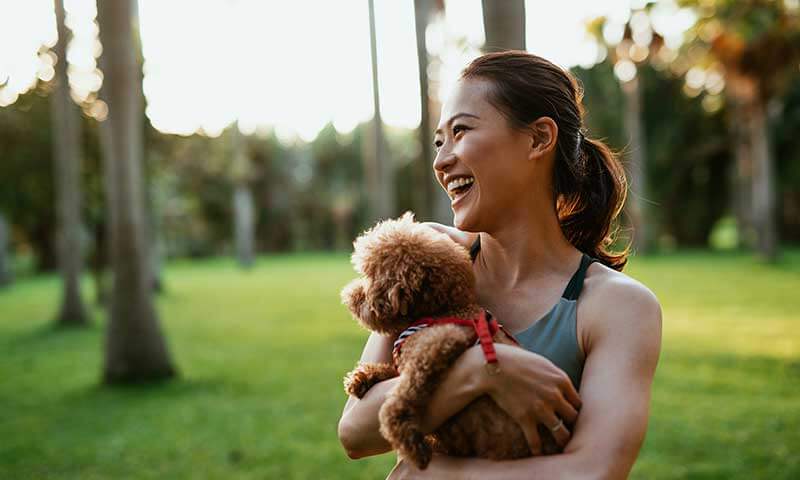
{"x": 443, "y": 161}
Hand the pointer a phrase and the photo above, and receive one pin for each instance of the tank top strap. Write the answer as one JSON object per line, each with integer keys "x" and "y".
{"x": 475, "y": 248}
{"x": 575, "y": 284}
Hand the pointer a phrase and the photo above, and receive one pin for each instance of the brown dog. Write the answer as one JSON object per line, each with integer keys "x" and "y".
{"x": 410, "y": 271}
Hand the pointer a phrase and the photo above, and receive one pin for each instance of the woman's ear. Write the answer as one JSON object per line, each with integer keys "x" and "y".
{"x": 544, "y": 136}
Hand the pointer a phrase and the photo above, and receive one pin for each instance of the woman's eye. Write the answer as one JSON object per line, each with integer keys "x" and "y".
{"x": 458, "y": 128}
{"x": 437, "y": 144}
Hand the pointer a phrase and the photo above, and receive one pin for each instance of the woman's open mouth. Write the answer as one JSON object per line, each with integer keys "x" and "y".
{"x": 458, "y": 188}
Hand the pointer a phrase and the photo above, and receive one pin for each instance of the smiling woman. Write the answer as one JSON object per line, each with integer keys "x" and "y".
{"x": 534, "y": 199}
{"x": 496, "y": 106}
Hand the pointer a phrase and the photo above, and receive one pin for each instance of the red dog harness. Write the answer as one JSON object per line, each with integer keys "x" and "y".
{"x": 485, "y": 328}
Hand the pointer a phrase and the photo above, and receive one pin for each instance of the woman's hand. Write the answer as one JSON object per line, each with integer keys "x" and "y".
{"x": 532, "y": 390}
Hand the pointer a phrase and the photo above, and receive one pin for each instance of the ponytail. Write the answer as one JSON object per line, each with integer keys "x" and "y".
{"x": 589, "y": 199}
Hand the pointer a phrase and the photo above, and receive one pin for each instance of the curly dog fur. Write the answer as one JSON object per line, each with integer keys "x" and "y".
{"x": 409, "y": 271}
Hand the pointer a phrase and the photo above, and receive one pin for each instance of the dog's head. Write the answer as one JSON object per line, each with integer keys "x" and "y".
{"x": 408, "y": 270}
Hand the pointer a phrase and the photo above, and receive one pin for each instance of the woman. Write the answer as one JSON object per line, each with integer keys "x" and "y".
{"x": 512, "y": 155}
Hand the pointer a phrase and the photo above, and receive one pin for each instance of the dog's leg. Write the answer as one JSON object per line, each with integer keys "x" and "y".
{"x": 365, "y": 375}
{"x": 427, "y": 356}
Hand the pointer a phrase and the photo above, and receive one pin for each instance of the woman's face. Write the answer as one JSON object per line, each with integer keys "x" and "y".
{"x": 481, "y": 162}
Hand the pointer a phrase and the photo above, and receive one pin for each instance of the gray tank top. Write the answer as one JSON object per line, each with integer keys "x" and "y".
{"x": 555, "y": 336}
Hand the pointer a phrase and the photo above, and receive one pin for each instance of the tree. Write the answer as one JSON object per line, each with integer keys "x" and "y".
{"x": 378, "y": 165}
{"x": 432, "y": 202}
{"x": 243, "y": 207}
{"x": 422, "y": 11}
{"x": 5, "y": 267}
{"x": 67, "y": 156}
{"x": 135, "y": 348}
{"x": 504, "y": 25}
{"x": 756, "y": 45}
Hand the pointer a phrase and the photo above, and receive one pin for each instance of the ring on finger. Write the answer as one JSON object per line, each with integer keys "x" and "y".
{"x": 557, "y": 426}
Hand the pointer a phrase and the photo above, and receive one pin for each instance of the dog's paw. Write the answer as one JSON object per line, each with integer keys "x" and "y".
{"x": 357, "y": 383}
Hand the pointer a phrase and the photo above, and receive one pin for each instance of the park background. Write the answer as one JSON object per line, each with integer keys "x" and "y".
{"x": 178, "y": 201}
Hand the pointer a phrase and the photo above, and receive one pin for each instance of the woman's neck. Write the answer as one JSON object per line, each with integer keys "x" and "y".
{"x": 529, "y": 247}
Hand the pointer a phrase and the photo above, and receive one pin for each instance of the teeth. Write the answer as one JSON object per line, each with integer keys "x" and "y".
{"x": 459, "y": 182}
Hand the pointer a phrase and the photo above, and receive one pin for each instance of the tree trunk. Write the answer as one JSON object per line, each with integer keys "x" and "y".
{"x": 504, "y": 25}
{"x": 102, "y": 272}
{"x": 380, "y": 177}
{"x": 755, "y": 163}
{"x": 741, "y": 198}
{"x": 764, "y": 219}
{"x": 635, "y": 204}
{"x": 135, "y": 349}
{"x": 423, "y": 171}
{"x": 744, "y": 178}
{"x": 243, "y": 207}
{"x": 5, "y": 264}
{"x": 67, "y": 155}
{"x": 244, "y": 214}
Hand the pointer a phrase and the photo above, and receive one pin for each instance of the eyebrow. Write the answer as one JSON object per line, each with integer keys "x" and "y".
{"x": 462, "y": 114}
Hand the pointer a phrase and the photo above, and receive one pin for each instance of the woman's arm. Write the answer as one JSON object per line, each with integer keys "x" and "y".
{"x": 623, "y": 349}
{"x": 359, "y": 425}
{"x": 546, "y": 385}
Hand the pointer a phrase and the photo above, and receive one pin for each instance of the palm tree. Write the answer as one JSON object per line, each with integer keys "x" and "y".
{"x": 432, "y": 201}
{"x": 243, "y": 207}
{"x": 380, "y": 174}
{"x": 504, "y": 25}
{"x": 67, "y": 156}
{"x": 422, "y": 9}
{"x": 135, "y": 348}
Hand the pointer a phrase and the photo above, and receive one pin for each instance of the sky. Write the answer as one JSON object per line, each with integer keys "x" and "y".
{"x": 290, "y": 66}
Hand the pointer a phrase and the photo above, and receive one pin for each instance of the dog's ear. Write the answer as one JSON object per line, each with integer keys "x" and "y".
{"x": 369, "y": 308}
{"x": 353, "y": 296}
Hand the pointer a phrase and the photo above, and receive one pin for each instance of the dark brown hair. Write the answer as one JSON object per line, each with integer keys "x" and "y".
{"x": 589, "y": 184}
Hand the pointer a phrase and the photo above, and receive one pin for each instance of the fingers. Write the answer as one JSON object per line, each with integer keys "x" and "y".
{"x": 566, "y": 411}
{"x": 560, "y": 434}
{"x": 571, "y": 395}
{"x": 532, "y": 435}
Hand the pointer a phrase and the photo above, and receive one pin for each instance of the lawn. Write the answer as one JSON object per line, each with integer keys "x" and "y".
{"x": 261, "y": 355}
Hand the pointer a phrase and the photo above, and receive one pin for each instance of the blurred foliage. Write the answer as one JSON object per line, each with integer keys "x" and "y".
{"x": 690, "y": 159}
{"x": 686, "y": 152}
{"x": 312, "y": 196}
{"x": 754, "y": 38}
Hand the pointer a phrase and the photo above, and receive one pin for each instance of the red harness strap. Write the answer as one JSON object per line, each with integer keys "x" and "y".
{"x": 486, "y": 329}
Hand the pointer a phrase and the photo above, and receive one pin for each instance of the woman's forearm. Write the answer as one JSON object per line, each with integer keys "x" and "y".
{"x": 359, "y": 427}
{"x": 461, "y": 385}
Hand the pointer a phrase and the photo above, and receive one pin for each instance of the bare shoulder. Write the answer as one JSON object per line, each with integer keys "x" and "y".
{"x": 465, "y": 239}
{"x": 615, "y": 305}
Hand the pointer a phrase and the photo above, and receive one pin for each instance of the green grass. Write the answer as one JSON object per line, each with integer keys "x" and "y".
{"x": 262, "y": 353}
